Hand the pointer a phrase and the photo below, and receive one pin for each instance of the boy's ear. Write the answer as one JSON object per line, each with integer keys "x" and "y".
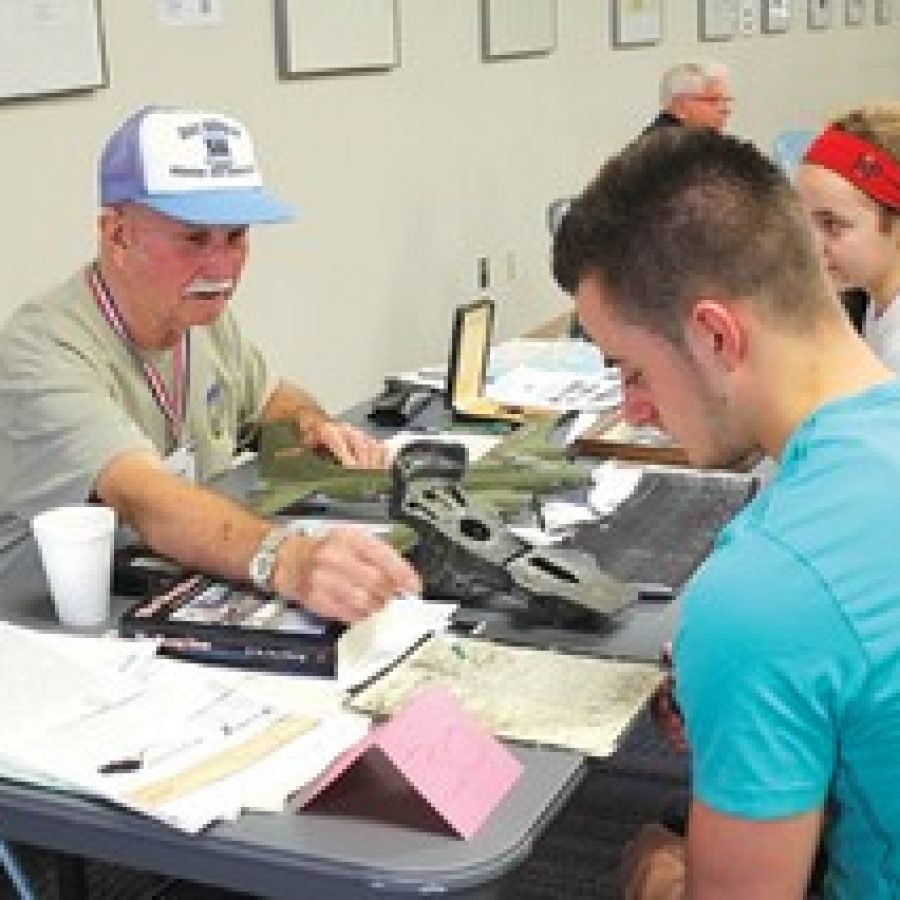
{"x": 716, "y": 334}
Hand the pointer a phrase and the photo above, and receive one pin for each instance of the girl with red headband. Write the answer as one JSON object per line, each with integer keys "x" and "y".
{"x": 849, "y": 181}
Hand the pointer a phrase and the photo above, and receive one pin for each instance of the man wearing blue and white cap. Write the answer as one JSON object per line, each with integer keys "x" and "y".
{"x": 132, "y": 380}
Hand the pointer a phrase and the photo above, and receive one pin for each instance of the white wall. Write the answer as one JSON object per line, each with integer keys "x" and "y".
{"x": 403, "y": 178}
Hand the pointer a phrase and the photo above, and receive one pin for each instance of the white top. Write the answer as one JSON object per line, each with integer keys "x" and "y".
{"x": 882, "y": 332}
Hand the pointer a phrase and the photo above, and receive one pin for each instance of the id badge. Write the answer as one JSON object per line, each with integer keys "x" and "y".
{"x": 182, "y": 461}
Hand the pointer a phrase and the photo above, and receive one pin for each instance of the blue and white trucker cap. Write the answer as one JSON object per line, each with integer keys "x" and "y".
{"x": 196, "y": 167}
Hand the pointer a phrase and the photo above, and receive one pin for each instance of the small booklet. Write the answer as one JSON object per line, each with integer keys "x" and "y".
{"x": 207, "y": 620}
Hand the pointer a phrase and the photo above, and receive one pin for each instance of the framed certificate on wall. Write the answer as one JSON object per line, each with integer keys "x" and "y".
{"x": 855, "y": 12}
{"x": 776, "y": 15}
{"x": 50, "y": 47}
{"x": 636, "y": 22}
{"x": 517, "y": 27}
{"x": 319, "y": 38}
{"x": 819, "y": 14}
{"x": 718, "y": 19}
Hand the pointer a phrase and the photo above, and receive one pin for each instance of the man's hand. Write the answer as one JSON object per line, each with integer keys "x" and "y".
{"x": 348, "y": 445}
{"x": 653, "y": 867}
{"x": 345, "y": 575}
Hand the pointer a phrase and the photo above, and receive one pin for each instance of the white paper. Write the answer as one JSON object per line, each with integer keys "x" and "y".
{"x": 202, "y": 737}
{"x": 578, "y": 426}
{"x": 612, "y": 484}
{"x": 374, "y": 644}
{"x": 477, "y": 445}
{"x": 553, "y": 355}
{"x": 432, "y": 378}
{"x": 537, "y": 537}
{"x": 556, "y": 391}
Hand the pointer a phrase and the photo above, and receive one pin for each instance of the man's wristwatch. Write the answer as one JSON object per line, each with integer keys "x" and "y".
{"x": 262, "y": 564}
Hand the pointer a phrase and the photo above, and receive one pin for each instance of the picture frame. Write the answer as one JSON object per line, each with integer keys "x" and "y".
{"x": 776, "y": 16}
{"x": 818, "y": 15}
{"x": 516, "y": 28}
{"x": 854, "y": 12}
{"x": 718, "y": 19}
{"x": 50, "y": 48}
{"x": 340, "y": 36}
{"x": 636, "y": 22}
{"x": 884, "y": 12}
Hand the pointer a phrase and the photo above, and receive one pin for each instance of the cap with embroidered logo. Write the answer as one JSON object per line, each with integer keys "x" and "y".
{"x": 197, "y": 167}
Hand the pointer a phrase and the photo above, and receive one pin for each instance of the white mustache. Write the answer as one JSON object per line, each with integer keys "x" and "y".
{"x": 202, "y": 286}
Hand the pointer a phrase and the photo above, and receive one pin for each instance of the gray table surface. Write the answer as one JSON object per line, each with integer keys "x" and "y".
{"x": 328, "y": 852}
{"x": 335, "y": 852}
{"x": 387, "y": 847}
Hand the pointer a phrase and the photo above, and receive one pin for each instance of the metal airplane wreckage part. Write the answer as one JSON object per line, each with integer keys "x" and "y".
{"x": 447, "y": 518}
{"x": 467, "y": 553}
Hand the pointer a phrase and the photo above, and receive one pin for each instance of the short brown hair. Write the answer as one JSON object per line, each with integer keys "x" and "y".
{"x": 687, "y": 212}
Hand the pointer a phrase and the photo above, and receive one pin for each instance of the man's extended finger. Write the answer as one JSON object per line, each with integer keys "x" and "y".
{"x": 331, "y": 437}
{"x": 367, "y": 452}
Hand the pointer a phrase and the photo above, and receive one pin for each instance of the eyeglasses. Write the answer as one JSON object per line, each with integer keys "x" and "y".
{"x": 718, "y": 99}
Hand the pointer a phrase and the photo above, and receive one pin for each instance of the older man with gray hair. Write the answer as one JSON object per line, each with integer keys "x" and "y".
{"x": 694, "y": 94}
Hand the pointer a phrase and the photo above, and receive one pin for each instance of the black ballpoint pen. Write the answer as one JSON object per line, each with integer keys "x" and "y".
{"x": 121, "y": 766}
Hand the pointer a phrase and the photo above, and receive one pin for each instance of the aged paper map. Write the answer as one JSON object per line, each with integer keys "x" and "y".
{"x": 538, "y": 696}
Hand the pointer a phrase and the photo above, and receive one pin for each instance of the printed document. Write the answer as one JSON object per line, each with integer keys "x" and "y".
{"x": 540, "y": 696}
{"x": 183, "y": 743}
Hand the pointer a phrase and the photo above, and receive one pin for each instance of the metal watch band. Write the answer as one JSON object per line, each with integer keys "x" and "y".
{"x": 262, "y": 564}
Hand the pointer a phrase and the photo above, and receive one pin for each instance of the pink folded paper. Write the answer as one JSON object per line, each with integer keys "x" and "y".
{"x": 449, "y": 759}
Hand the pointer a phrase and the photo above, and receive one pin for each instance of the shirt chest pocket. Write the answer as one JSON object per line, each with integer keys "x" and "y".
{"x": 215, "y": 426}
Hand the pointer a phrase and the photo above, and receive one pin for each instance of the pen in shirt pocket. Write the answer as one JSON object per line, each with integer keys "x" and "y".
{"x": 215, "y": 412}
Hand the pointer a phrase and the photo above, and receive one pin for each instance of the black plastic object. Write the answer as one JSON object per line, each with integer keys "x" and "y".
{"x": 398, "y": 405}
{"x": 139, "y": 572}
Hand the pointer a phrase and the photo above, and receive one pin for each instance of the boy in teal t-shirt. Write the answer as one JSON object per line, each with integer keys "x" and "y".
{"x": 694, "y": 267}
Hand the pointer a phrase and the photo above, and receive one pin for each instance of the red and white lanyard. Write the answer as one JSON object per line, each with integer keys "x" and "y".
{"x": 172, "y": 404}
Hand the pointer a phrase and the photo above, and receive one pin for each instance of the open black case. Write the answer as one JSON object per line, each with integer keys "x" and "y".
{"x": 473, "y": 325}
{"x": 207, "y": 620}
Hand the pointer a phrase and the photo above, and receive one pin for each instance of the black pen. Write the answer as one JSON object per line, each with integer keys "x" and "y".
{"x": 538, "y": 511}
{"x": 121, "y": 766}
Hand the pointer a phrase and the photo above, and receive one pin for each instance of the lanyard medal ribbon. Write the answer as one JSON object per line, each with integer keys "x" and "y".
{"x": 172, "y": 404}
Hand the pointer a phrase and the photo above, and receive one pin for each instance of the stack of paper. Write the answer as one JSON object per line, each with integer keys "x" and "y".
{"x": 559, "y": 376}
{"x": 182, "y": 743}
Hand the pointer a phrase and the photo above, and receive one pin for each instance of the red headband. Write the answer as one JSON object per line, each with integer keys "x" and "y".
{"x": 871, "y": 169}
